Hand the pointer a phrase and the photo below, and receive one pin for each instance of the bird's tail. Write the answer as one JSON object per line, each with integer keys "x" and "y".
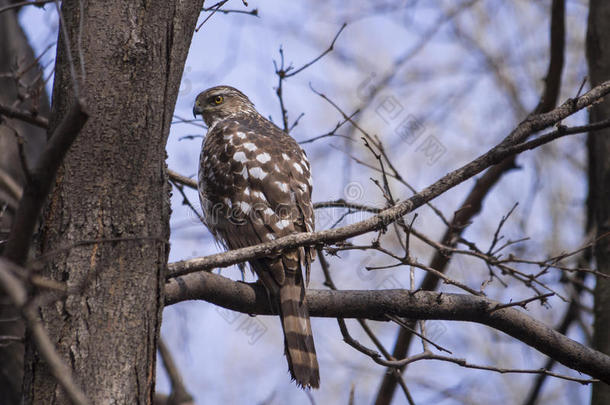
{"x": 298, "y": 338}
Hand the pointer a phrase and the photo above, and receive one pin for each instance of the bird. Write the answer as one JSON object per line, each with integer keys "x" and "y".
{"x": 255, "y": 186}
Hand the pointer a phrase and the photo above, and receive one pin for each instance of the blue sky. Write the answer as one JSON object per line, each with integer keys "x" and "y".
{"x": 448, "y": 89}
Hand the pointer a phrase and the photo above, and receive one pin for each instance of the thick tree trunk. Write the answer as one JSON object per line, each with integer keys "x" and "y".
{"x": 15, "y": 55}
{"x": 598, "y": 56}
{"x": 106, "y": 224}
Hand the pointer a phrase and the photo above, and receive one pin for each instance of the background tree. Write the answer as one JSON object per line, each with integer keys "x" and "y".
{"x": 598, "y": 56}
{"x": 22, "y": 87}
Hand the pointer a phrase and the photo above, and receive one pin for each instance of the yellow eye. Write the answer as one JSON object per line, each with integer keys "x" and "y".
{"x": 218, "y": 100}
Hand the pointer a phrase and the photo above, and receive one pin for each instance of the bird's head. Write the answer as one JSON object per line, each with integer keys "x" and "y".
{"x": 220, "y": 102}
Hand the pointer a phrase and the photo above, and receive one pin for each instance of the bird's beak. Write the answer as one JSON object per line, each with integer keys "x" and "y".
{"x": 197, "y": 110}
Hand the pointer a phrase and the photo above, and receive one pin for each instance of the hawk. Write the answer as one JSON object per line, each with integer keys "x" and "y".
{"x": 255, "y": 186}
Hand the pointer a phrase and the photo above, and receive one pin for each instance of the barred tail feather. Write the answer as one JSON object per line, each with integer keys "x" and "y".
{"x": 298, "y": 339}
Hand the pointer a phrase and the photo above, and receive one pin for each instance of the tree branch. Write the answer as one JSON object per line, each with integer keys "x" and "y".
{"x": 37, "y": 189}
{"x": 179, "y": 395}
{"x": 19, "y": 296}
{"x": 25, "y": 116}
{"x": 473, "y": 203}
{"x": 252, "y": 299}
{"x": 570, "y": 315}
{"x": 178, "y": 178}
{"x": 496, "y": 155}
{"x": 25, "y": 3}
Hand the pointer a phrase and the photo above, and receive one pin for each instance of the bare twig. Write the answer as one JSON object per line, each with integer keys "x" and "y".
{"x": 569, "y": 317}
{"x": 253, "y": 12}
{"x": 280, "y": 72}
{"x": 8, "y": 339}
{"x": 17, "y": 293}
{"x": 182, "y": 120}
{"x": 403, "y": 324}
{"x": 308, "y": 64}
{"x": 26, "y": 116}
{"x": 497, "y": 237}
{"x": 8, "y": 183}
{"x": 36, "y": 191}
{"x": 341, "y": 203}
{"x": 179, "y": 394}
{"x": 381, "y": 220}
{"x": 20, "y": 141}
{"x": 375, "y": 141}
{"x": 523, "y": 303}
{"x": 284, "y": 73}
{"x": 559, "y": 133}
{"x": 186, "y": 201}
{"x": 333, "y": 131}
{"x": 472, "y": 205}
{"x": 296, "y": 122}
{"x": 178, "y": 178}
{"x": 214, "y": 9}
{"x": 25, "y": 3}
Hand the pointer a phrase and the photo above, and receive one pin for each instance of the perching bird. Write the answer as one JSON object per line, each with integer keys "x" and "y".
{"x": 255, "y": 186}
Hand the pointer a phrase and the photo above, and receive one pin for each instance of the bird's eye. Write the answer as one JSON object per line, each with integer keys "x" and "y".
{"x": 218, "y": 100}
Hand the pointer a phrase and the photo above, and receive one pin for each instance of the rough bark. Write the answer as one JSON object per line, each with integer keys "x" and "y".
{"x": 15, "y": 54}
{"x": 112, "y": 192}
{"x": 598, "y": 56}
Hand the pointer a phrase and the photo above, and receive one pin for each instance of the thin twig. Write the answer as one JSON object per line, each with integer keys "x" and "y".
{"x": 328, "y": 281}
{"x": 36, "y": 191}
{"x": 25, "y": 3}
{"x": 186, "y": 201}
{"x": 9, "y": 184}
{"x": 253, "y": 12}
{"x": 497, "y": 154}
{"x": 333, "y": 131}
{"x": 17, "y": 293}
{"x": 403, "y": 324}
{"x": 522, "y": 303}
{"x": 178, "y": 178}
{"x": 179, "y": 394}
{"x": 214, "y": 9}
{"x": 472, "y": 204}
{"x": 25, "y": 116}
{"x": 284, "y": 73}
{"x": 308, "y": 64}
